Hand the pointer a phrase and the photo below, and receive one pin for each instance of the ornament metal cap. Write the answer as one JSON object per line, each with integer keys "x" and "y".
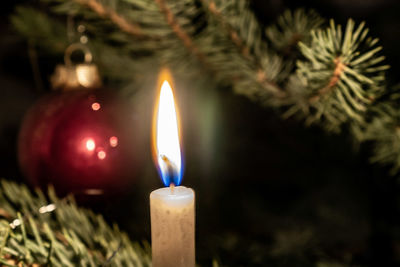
{"x": 70, "y": 76}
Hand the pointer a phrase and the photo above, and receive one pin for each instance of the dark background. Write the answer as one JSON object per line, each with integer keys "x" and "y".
{"x": 273, "y": 193}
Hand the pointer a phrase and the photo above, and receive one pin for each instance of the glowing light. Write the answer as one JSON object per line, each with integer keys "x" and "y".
{"x": 167, "y": 150}
{"x": 86, "y": 75}
{"x": 90, "y": 144}
{"x": 84, "y": 39}
{"x": 113, "y": 141}
{"x": 48, "y": 208}
{"x": 96, "y": 106}
{"x": 15, "y": 223}
{"x": 93, "y": 191}
{"x": 101, "y": 154}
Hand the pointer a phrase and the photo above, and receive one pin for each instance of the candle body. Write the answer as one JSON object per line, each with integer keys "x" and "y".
{"x": 172, "y": 227}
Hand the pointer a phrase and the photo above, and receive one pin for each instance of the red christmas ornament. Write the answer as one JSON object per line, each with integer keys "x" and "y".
{"x": 81, "y": 141}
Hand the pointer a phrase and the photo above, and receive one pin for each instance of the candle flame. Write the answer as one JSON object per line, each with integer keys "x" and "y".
{"x": 166, "y": 145}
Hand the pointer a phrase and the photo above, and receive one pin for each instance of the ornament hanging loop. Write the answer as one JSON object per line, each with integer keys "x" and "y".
{"x": 76, "y": 76}
{"x": 88, "y": 57}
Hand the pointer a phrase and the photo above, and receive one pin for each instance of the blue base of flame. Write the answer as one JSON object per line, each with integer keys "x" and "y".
{"x": 169, "y": 172}
{"x": 172, "y": 177}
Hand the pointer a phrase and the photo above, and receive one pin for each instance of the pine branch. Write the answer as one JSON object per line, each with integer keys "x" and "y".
{"x": 243, "y": 48}
{"x": 128, "y": 27}
{"x": 335, "y": 82}
{"x": 177, "y": 29}
{"x": 383, "y": 131}
{"x": 35, "y": 26}
{"x": 36, "y": 233}
{"x": 293, "y": 27}
{"x": 236, "y": 30}
{"x": 234, "y": 36}
{"x": 341, "y": 75}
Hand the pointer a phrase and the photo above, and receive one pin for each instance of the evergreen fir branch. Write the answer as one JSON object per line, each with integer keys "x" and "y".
{"x": 341, "y": 75}
{"x": 239, "y": 23}
{"x": 110, "y": 50}
{"x": 338, "y": 78}
{"x": 35, "y": 25}
{"x": 242, "y": 29}
{"x": 113, "y": 63}
{"x": 120, "y": 22}
{"x": 234, "y": 36}
{"x": 34, "y": 232}
{"x": 383, "y": 130}
{"x": 293, "y": 27}
{"x": 180, "y": 33}
{"x": 163, "y": 34}
{"x": 128, "y": 27}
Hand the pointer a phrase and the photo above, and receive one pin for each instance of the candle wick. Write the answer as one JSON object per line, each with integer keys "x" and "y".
{"x": 172, "y": 187}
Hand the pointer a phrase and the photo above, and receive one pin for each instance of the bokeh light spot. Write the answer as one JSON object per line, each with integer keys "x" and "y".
{"x": 90, "y": 144}
{"x": 113, "y": 141}
{"x": 101, "y": 154}
{"x": 96, "y": 106}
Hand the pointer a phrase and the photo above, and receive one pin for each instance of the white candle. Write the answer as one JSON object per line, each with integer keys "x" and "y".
{"x": 172, "y": 227}
{"x": 172, "y": 209}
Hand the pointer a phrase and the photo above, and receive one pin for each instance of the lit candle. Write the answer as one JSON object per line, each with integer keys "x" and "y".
{"x": 171, "y": 208}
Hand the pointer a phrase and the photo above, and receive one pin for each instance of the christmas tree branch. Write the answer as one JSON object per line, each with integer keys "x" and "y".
{"x": 318, "y": 74}
{"x": 180, "y": 33}
{"x": 339, "y": 67}
{"x": 340, "y": 81}
{"x": 244, "y": 50}
{"x": 291, "y": 28}
{"x": 36, "y": 233}
{"x": 128, "y": 27}
{"x": 249, "y": 46}
{"x": 383, "y": 131}
{"x": 239, "y": 43}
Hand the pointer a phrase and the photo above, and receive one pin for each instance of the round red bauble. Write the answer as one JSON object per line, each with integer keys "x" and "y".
{"x": 80, "y": 142}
